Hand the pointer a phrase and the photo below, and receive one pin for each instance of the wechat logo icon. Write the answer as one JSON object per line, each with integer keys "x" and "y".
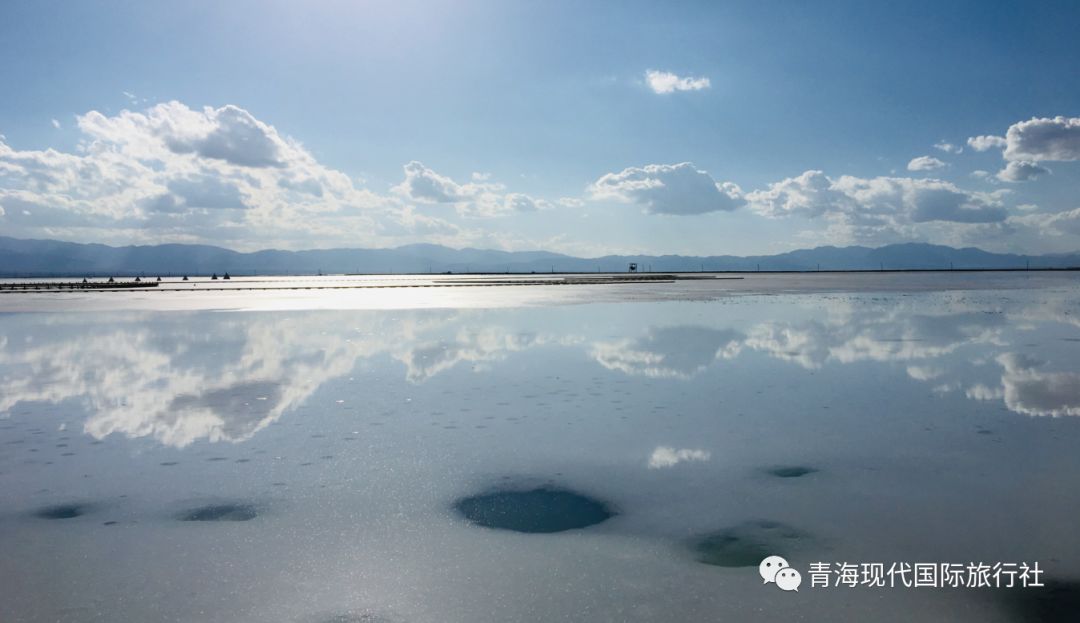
{"x": 777, "y": 570}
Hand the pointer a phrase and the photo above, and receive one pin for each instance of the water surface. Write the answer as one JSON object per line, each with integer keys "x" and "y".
{"x": 313, "y": 464}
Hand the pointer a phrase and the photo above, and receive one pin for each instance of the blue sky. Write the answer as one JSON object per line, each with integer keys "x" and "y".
{"x": 766, "y": 126}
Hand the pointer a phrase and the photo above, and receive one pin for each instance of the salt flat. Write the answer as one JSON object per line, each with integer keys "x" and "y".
{"x": 316, "y": 455}
{"x": 488, "y": 291}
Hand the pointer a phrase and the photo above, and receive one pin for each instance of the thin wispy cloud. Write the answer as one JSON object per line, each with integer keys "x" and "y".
{"x": 948, "y": 148}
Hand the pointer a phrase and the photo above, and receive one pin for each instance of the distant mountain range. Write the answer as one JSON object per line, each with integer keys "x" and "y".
{"x": 52, "y": 257}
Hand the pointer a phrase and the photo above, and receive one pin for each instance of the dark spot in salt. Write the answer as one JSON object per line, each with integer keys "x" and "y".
{"x": 790, "y": 471}
{"x": 220, "y": 512}
{"x": 746, "y": 544}
{"x": 541, "y": 510}
{"x": 61, "y": 511}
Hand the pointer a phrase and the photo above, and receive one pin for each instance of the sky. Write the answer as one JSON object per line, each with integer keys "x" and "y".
{"x": 586, "y": 128}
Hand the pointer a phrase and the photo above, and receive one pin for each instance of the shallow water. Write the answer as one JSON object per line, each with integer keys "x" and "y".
{"x": 320, "y": 457}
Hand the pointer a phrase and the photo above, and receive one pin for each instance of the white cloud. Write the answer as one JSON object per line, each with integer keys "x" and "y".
{"x": 985, "y": 143}
{"x": 56, "y": 124}
{"x": 230, "y": 134}
{"x": 809, "y": 194}
{"x": 880, "y": 203}
{"x": 925, "y": 163}
{"x": 664, "y": 456}
{"x": 518, "y": 202}
{"x": 1021, "y": 171}
{"x": 1050, "y": 224}
{"x": 1044, "y": 139}
{"x": 426, "y": 186}
{"x": 669, "y": 189}
{"x": 948, "y": 148}
{"x": 663, "y": 82}
{"x": 1036, "y": 140}
{"x": 216, "y": 175}
{"x": 474, "y": 199}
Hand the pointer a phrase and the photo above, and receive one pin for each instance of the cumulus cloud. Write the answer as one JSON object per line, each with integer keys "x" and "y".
{"x": 925, "y": 163}
{"x": 230, "y": 134}
{"x": 479, "y": 198}
{"x": 662, "y": 82}
{"x": 424, "y": 185}
{"x": 679, "y": 189}
{"x": 1021, "y": 171}
{"x": 204, "y": 192}
{"x": 56, "y": 124}
{"x": 1035, "y": 140}
{"x": 519, "y": 202}
{"x": 1040, "y": 139}
{"x": 948, "y": 148}
{"x": 1053, "y": 224}
{"x": 880, "y": 210}
{"x": 868, "y": 207}
{"x": 218, "y": 175}
{"x": 985, "y": 143}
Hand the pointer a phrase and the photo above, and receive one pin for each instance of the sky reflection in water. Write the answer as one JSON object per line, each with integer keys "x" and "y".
{"x": 919, "y": 425}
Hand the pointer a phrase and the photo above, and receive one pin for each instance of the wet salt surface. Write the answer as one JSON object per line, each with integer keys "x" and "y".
{"x": 322, "y": 456}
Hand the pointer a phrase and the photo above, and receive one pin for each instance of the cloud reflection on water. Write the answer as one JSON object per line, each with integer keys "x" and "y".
{"x": 179, "y": 378}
